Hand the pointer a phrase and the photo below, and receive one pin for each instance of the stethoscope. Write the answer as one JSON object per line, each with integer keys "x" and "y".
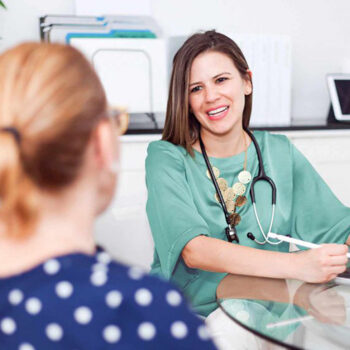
{"x": 231, "y": 232}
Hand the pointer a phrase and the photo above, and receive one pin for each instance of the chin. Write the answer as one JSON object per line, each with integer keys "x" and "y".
{"x": 222, "y": 129}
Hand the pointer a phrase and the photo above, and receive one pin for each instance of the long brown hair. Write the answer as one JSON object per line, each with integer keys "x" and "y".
{"x": 181, "y": 127}
{"x": 51, "y": 95}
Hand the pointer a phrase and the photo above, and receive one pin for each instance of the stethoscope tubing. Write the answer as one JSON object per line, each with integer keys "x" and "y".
{"x": 260, "y": 177}
{"x": 261, "y": 174}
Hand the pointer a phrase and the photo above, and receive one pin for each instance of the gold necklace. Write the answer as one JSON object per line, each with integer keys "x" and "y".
{"x": 234, "y": 196}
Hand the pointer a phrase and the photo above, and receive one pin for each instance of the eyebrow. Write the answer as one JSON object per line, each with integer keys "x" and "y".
{"x": 214, "y": 77}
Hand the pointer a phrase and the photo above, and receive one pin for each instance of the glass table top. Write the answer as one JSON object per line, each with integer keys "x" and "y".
{"x": 291, "y": 313}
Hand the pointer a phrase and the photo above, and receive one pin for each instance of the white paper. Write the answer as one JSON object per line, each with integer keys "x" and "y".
{"x": 269, "y": 58}
{"x": 112, "y": 7}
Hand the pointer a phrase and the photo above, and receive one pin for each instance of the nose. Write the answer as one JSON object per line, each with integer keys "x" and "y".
{"x": 211, "y": 94}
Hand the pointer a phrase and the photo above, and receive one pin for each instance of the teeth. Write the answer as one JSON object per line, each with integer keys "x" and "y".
{"x": 218, "y": 110}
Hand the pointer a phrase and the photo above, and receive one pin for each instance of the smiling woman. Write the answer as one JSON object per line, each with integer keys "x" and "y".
{"x": 196, "y": 203}
{"x": 217, "y": 94}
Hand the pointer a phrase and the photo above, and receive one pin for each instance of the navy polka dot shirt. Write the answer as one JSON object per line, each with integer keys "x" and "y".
{"x": 89, "y": 302}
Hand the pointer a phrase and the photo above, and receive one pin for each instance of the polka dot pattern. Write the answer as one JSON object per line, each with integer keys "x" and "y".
{"x": 15, "y": 297}
{"x": 112, "y": 334}
{"x": 8, "y": 325}
{"x": 146, "y": 331}
{"x": 98, "y": 278}
{"x": 33, "y": 306}
{"x": 54, "y": 332}
{"x": 64, "y": 289}
{"x": 135, "y": 273}
{"x": 203, "y": 333}
{"x": 178, "y": 330}
{"x": 75, "y": 297}
{"x": 51, "y": 267}
{"x": 173, "y": 298}
{"x": 26, "y": 346}
{"x": 99, "y": 267}
{"x": 143, "y": 297}
{"x": 103, "y": 257}
{"x": 83, "y": 315}
{"x": 114, "y": 299}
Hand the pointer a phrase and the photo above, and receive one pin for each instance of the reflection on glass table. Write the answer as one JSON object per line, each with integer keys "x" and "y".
{"x": 291, "y": 313}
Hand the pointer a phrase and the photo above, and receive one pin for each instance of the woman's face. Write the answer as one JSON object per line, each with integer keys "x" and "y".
{"x": 217, "y": 92}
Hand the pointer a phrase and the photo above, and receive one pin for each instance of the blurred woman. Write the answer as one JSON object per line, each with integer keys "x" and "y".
{"x": 58, "y": 169}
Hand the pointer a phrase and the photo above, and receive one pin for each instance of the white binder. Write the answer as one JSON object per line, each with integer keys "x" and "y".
{"x": 132, "y": 71}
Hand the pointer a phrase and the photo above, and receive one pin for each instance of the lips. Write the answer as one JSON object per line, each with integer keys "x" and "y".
{"x": 217, "y": 112}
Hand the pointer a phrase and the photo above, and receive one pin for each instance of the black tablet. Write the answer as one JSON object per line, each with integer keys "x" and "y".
{"x": 343, "y": 278}
{"x": 339, "y": 90}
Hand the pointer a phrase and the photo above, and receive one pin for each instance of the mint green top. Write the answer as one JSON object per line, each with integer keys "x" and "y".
{"x": 181, "y": 206}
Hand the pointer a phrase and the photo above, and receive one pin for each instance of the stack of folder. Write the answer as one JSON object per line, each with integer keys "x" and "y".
{"x": 56, "y": 28}
{"x": 128, "y": 53}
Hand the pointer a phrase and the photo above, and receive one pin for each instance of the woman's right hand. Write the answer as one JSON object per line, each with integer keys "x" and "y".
{"x": 319, "y": 265}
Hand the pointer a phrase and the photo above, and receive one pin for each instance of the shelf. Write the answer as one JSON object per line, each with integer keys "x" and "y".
{"x": 299, "y": 125}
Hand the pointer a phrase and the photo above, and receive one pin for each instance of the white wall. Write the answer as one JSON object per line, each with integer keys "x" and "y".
{"x": 319, "y": 30}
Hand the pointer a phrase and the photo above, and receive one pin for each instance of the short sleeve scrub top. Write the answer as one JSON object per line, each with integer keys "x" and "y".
{"x": 181, "y": 205}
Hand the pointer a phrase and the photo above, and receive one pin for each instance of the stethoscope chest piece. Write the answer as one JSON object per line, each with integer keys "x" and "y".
{"x": 231, "y": 234}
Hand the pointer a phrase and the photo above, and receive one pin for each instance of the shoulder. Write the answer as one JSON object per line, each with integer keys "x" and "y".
{"x": 164, "y": 155}
{"x": 105, "y": 297}
{"x": 272, "y": 142}
{"x": 159, "y": 148}
{"x": 266, "y": 136}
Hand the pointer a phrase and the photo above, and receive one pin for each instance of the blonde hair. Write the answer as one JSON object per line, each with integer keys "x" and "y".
{"x": 51, "y": 95}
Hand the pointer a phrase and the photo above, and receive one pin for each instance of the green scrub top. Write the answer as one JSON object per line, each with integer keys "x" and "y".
{"x": 181, "y": 205}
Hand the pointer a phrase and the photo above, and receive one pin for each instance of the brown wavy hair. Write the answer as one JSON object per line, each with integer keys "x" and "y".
{"x": 181, "y": 127}
{"x": 51, "y": 95}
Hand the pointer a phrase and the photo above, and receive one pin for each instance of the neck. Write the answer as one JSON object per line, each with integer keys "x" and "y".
{"x": 223, "y": 146}
{"x": 65, "y": 226}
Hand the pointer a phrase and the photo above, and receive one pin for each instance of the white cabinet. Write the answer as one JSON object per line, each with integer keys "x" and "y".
{"x": 124, "y": 229}
{"x": 329, "y": 153}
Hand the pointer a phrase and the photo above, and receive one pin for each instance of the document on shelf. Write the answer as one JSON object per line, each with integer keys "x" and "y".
{"x": 269, "y": 59}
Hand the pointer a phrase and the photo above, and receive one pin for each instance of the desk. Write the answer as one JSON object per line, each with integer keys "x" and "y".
{"x": 290, "y": 313}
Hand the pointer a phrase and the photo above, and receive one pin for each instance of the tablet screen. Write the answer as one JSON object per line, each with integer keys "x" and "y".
{"x": 344, "y": 278}
{"x": 343, "y": 91}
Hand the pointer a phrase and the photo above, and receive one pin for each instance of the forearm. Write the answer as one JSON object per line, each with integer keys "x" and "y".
{"x": 252, "y": 287}
{"x": 215, "y": 255}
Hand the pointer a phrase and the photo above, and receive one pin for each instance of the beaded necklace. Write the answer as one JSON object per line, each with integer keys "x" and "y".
{"x": 229, "y": 197}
